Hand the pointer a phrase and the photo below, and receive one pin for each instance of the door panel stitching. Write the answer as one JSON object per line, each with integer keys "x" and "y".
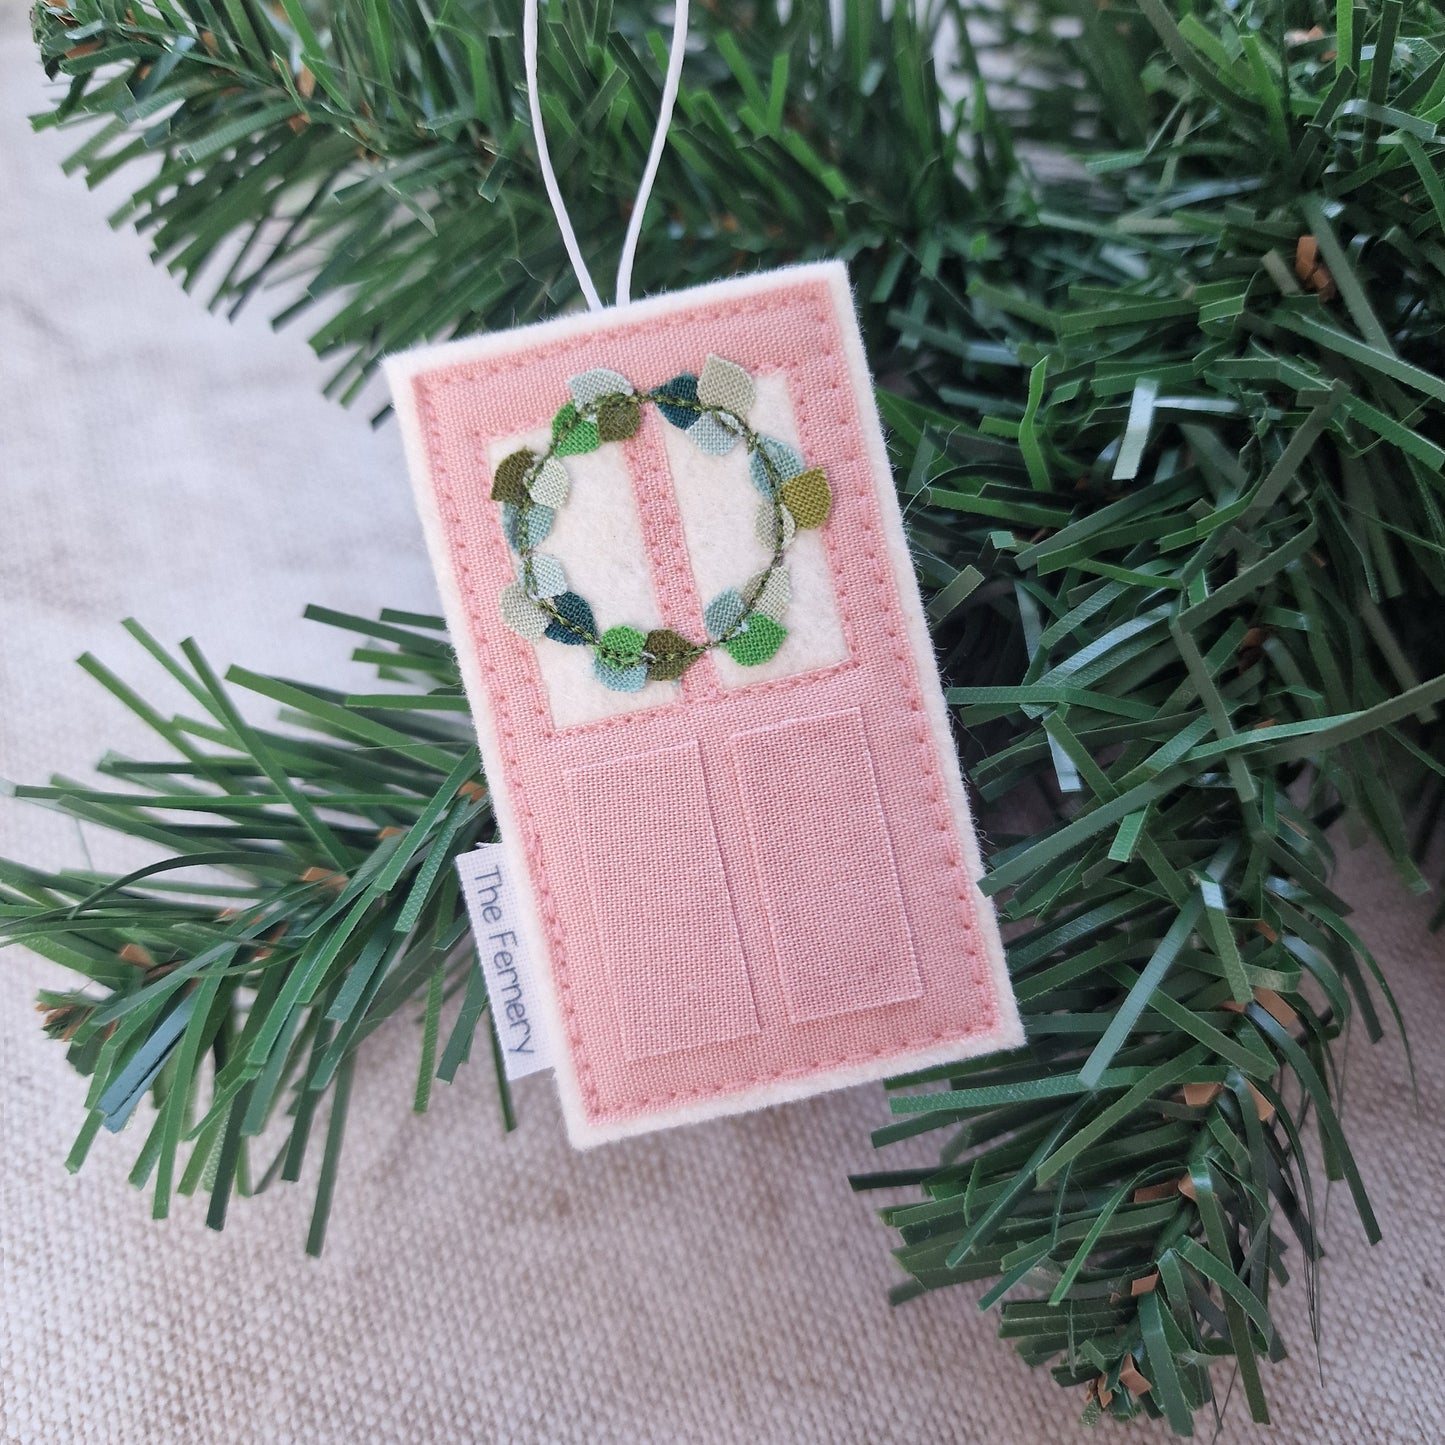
{"x": 531, "y": 843}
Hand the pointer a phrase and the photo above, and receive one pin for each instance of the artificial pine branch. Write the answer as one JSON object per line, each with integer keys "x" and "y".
{"x": 243, "y": 1002}
{"x": 1167, "y": 416}
{"x": 378, "y": 158}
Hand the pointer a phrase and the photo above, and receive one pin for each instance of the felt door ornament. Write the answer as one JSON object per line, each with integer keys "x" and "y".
{"x": 674, "y": 567}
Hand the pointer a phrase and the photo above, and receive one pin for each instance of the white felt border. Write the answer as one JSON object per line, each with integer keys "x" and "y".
{"x": 401, "y": 371}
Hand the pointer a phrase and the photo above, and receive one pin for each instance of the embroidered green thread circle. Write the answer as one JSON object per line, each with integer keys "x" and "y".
{"x": 746, "y": 622}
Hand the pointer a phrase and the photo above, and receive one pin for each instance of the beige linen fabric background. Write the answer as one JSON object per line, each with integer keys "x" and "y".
{"x": 718, "y": 1284}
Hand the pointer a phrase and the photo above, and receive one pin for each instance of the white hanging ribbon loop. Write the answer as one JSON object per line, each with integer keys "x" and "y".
{"x": 670, "y": 83}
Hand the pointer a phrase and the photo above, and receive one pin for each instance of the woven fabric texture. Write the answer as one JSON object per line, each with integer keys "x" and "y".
{"x": 657, "y": 889}
{"x": 606, "y": 408}
{"x": 840, "y": 935}
{"x": 912, "y": 832}
{"x": 716, "y": 1285}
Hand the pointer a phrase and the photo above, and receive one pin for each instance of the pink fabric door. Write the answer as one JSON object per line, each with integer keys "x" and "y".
{"x": 742, "y": 884}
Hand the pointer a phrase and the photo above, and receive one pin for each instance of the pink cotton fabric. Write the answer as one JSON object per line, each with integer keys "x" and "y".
{"x": 740, "y": 887}
{"x": 829, "y": 889}
{"x": 660, "y": 902}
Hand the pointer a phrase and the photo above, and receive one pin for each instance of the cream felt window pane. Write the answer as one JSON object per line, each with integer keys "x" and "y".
{"x": 597, "y": 537}
{"x": 719, "y": 506}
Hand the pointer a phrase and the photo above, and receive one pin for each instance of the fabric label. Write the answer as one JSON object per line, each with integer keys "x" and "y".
{"x": 505, "y": 961}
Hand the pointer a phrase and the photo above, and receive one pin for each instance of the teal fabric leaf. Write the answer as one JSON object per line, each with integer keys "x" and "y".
{"x": 538, "y": 524}
{"x": 772, "y": 464}
{"x": 592, "y": 386}
{"x": 713, "y": 435}
{"x": 723, "y": 613}
{"x": 575, "y": 624}
{"x": 684, "y": 388}
{"x": 548, "y": 578}
{"x": 619, "y": 679}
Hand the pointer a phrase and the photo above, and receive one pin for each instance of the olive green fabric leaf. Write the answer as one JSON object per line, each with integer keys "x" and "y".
{"x": 509, "y": 482}
{"x": 618, "y": 418}
{"x": 808, "y": 497}
{"x": 671, "y": 654}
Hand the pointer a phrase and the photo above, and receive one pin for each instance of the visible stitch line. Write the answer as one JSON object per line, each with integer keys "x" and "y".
{"x": 758, "y": 836}
{"x": 479, "y": 371}
{"x": 667, "y": 571}
{"x": 772, "y": 684}
{"x": 894, "y": 625}
{"x": 852, "y": 456}
{"x": 804, "y": 1070}
{"x": 740, "y": 1018}
{"x": 531, "y": 840}
{"x": 569, "y": 615}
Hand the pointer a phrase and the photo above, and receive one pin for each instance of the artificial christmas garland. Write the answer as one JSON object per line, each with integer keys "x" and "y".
{"x": 1155, "y": 294}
